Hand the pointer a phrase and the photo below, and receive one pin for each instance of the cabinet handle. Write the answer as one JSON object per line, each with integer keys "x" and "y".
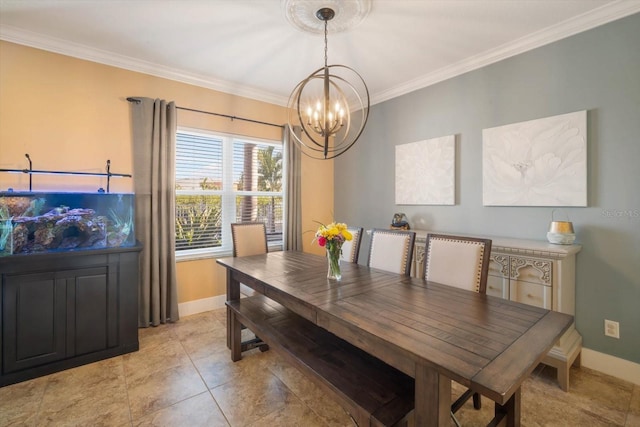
{"x": 530, "y": 296}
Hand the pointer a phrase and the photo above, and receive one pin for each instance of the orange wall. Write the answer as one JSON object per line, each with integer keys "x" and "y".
{"x": 71, "y": 114}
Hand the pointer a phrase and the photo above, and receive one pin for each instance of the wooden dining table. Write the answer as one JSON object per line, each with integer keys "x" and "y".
{"x": 431, "y": 332}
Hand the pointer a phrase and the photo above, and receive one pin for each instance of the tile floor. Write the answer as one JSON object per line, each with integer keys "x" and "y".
{"x": 183, "y": 376}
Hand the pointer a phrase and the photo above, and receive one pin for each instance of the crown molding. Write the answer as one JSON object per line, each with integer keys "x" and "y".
{"x": 570, "y": 27}
{"x": 584, "y": 22}
{"x": 76, "y": 50}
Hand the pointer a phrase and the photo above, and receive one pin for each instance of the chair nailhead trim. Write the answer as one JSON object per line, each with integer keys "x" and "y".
{"x": 468, "y": 242}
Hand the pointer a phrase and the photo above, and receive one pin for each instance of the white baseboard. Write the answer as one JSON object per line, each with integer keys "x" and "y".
{"x": 201, "y": 305}
{"x": 607, "y": 364}
{"x": 611, "y": 365}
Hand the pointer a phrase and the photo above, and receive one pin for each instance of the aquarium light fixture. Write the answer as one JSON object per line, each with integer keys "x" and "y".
{"x": 32, "y": 171}
{"x": 38, "y": 172}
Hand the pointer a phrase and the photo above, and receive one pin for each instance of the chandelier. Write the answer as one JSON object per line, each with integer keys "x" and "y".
{"x": 330, "y": 106}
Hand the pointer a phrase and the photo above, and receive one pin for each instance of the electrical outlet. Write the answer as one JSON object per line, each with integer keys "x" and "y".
{"x": 611, "y": 328}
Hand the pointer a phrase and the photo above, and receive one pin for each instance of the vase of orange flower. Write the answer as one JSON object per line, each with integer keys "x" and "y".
{"x": 331, "y": 237}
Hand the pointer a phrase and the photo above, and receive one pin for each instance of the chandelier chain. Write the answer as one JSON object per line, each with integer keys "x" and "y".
{"x": 326, "y": 49}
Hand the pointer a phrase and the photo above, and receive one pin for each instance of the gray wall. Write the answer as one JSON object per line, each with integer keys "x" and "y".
{"x": 597, "y": 71}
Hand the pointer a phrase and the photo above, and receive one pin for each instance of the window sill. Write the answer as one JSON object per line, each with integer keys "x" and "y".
{"x": 195, "y": 256}
{"x": 182, "y": 257}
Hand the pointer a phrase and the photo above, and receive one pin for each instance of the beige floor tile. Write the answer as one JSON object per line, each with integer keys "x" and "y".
{"x": 198, "y": 324}
{"x": 163, "y": 388}
{"x": 593, "y": 393}
{"x": 19, "y": 403}
{"x": 632, "y": 420}
{"x": 221, "y": 315}
{"x": 316, "y": 399}
{"x": 200, "y": 410}
{"x": 154, "y": 334}
{"x": 212, "y": 358}
{"x": 541, "y": 412}
{"x": 207, "y": 336}
{"x": 633, "y": 417}
{"x": 97, "y": 410}
{"x": 205, "y": 344}
{"x": 545, "y": 404}
{"x": 294, "y": 414}
{"x": 249, "y": 398}
{"x": 609, "y": 390}
{"x": 158, "y": 356}
{"x": 87, "y": 377}
{"x": 94, "y": 394}
{"x": 218, "y": 369}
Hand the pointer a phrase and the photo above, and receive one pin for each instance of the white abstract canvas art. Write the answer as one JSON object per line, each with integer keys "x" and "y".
{"x": 536, "y": 163}
{"x": 425, "y": 172}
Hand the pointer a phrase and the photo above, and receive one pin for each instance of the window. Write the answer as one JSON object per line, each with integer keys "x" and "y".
{"x": 222, "y": 179}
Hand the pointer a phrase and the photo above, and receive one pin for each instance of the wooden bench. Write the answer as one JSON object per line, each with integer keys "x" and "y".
{"x": 372, "y": 392}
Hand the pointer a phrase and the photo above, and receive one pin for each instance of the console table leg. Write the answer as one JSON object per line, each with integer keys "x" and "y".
{"x": 578, "y": 361}
{"x": 563, "y": 376}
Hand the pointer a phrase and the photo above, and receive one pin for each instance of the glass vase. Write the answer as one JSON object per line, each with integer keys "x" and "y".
{"x": 333, "y": 261}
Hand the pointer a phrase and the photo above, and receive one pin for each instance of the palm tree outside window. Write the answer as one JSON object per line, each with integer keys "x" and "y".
{"x": 222, "y": 179}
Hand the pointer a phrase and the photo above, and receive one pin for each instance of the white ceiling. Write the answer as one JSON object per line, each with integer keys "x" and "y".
{"x": 249, "y": 48}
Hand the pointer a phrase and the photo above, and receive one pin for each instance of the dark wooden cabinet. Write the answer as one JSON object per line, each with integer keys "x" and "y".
{"x": 60, "y": 310}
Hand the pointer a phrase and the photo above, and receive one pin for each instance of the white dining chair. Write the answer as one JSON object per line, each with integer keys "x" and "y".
{"x": 351, "y": 248}
{"x": 249, "y": 238}
{"x": 391, "y": 250}
{"x": 458, "y": 261}
{"x": 462, "y": 262}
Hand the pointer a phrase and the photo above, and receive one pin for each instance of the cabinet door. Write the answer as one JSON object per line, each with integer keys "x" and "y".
{"x": 33, "y": 320}
{"x": 95, "y": 310}
{"x": 56, "y": 315}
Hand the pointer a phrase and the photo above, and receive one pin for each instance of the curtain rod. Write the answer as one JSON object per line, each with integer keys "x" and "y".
{"x": 137, "y": 101}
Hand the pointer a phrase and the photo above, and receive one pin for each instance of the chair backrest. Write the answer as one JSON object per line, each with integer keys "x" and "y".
{"x": 351, "y": 248}
{"x": 249, "y": 238}
{"x": 458, "y": 261}
{"x": 391, "y": 250}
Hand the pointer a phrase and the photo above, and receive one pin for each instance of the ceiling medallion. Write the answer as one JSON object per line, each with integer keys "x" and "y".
{"x": 302, "y": 14}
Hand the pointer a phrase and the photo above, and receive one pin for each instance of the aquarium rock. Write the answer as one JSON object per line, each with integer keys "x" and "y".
{"x": 60, "y": 228}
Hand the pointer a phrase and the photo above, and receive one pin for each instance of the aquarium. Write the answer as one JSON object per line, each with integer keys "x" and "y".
{"x": 33, "y": 222}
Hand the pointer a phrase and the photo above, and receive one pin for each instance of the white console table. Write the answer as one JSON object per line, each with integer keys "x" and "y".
{"x": 532, "y": 272}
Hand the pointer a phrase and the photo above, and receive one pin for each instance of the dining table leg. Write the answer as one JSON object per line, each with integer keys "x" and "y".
{"x": 508, "y": 414}
{"x": 432, "y": 398}
{"x": 235, "y": 331}
{"x": 233, "y": 294}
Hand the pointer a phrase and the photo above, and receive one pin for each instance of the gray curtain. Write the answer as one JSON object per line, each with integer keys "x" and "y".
{"x": 293, "y": 208}
{"x": 154, "y": 136}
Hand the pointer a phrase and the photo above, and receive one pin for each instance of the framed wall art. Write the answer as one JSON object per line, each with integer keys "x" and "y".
{"x": 425, "y": 172}
{"x": 536, "y": 163}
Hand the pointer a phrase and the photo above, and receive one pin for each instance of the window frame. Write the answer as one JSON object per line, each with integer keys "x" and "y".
{"x": 228, "y": 194}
